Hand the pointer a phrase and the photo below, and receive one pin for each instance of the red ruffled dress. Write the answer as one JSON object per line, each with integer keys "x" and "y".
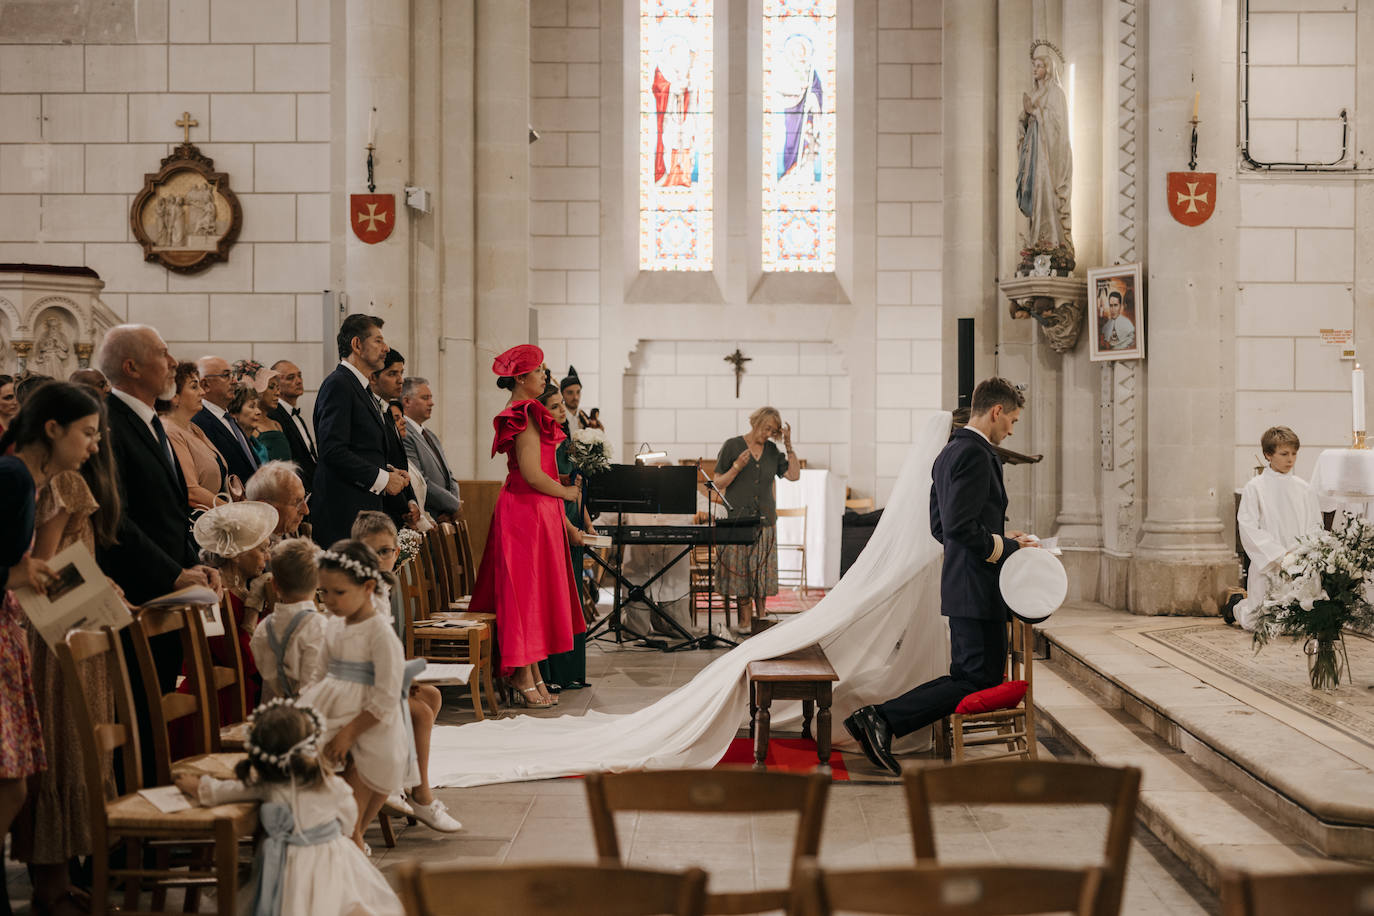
{"x": 525, "y": 577}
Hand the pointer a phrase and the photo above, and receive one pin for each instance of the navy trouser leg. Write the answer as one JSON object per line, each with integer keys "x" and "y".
{"x": 978, "y": 660}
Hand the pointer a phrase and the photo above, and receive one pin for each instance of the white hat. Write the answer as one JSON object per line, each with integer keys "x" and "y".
{"x": 1033, "y": 583}
{"x": 235, "y": 528}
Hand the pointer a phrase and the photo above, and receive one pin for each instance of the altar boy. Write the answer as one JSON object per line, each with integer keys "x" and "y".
{"x": 1275, "y": 509}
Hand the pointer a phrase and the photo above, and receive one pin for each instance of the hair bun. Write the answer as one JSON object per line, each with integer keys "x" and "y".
{"x": 507, "y": 382}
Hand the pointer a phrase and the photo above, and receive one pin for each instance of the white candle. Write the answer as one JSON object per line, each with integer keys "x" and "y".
{"x": 1357, "y": 395}
{"x": 372, "y": 127}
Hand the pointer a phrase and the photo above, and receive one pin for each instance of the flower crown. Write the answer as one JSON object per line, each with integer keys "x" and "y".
{"x": 361, "y": 570}
{"x": 309, "y": 743}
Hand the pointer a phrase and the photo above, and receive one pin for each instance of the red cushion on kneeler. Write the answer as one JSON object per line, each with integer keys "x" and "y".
{"x": 1003, "y": 696}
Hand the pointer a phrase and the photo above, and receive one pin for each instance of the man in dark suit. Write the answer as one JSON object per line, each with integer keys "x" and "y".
{"x": 293, "y": 421}
{"x": 154, "y": 553}
{"x": 968, "y": 505}
{"x": 218, "y": 390}
{"x": 353, "y": 472}
{"x": 386, "y": 389}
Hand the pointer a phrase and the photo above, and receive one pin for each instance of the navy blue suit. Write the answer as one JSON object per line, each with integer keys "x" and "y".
{"x": 968, "y": 505}
{"x": 241, "y": 464}
{"x": 352, "y": 446}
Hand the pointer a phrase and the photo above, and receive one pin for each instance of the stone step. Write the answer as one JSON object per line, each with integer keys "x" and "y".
{"x": 1320, "y": 790}
{"x": 1204, "y": 822}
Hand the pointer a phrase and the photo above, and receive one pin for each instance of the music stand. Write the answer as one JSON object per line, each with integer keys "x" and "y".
{"x": 710, "y": 640}
{"x": 631, "y": 488}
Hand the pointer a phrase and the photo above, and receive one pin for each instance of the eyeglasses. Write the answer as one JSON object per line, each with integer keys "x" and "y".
{"x": 386, "y": 551}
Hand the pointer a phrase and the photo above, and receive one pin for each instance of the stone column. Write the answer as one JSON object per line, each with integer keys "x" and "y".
{"x": 1183, "y": 563}
{"x": 377, "y": 75}
{"x": 1078, "y": 524}
{"x": 969, "y": 125}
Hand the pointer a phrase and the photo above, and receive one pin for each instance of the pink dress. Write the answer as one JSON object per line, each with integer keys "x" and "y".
{"x": 526, "y": 577}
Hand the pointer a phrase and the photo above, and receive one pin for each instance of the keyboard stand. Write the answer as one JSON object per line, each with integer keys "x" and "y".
{"x": 638, "y": 592}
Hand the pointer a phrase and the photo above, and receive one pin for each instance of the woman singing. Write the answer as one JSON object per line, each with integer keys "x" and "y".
{"x": 745, "y": 469}
{"x": 526, "y": 575}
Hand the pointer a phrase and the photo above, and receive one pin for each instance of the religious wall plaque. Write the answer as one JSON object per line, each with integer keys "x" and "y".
{"x": 1192, "y": 196}
{"x": 186, "y": 218}
{"x": 372, "y": 216}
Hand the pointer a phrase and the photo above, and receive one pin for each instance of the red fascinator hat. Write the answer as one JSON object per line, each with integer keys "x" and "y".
{"x": 518, "y": 360}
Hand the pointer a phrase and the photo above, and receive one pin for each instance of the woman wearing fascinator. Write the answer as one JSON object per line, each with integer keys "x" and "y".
{"x": 234, "y": 539}
{"x": 526, "y": 573}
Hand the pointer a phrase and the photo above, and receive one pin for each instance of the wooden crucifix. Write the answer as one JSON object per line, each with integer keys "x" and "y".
{"x": 737, "y": 359}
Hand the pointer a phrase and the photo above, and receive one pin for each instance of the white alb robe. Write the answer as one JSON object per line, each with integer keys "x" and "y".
{"x": 1275, "y": 509}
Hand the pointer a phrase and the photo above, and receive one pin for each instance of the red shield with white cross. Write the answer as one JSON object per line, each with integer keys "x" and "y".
{"x": 372, "y": 216}
{"x": 1192, "y": 196}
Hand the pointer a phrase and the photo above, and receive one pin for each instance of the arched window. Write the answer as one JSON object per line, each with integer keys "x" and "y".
{"x": 675, "y": 135}
{"x": 799, "y": 96}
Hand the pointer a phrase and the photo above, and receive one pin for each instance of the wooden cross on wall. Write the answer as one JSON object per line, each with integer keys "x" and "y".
{"x": 738, "y": 359}
{"x": 186, "y": 123}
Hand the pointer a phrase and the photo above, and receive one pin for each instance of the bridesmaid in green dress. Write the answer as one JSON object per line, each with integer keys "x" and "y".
{"x": 568, "y": 670}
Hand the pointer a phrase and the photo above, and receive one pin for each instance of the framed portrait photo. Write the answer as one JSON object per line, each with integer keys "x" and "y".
{"x": 1116, "y": 313}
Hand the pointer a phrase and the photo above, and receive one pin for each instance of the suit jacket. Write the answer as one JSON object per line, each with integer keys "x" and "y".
{"x": 968, "y": 505}
{"x": 240, "y": 463}
{"x": 396, "y": 505}
{"x": 154, "y": 532}
{"x": 442, "y": 495}
{"x": 351, "y": 441}
{"x": 300, "y": 449}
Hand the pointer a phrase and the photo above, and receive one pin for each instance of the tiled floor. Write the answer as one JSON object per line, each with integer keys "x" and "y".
{"x": 865, "y": 824}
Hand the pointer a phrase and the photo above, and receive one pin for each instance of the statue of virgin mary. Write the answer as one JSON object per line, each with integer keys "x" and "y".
{"x": 1044, "y": 172}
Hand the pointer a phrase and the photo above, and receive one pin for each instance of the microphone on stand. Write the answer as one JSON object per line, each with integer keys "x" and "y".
{"x": 711, "y": 485}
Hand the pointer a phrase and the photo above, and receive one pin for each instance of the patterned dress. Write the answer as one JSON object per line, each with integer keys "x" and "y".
{"x": 751, "y": 570}
{"x": 21, "y": 732}
{"x": 53, "y": 825}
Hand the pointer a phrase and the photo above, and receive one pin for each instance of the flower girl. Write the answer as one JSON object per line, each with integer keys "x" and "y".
{"x": 366, "y": 729}
{"x": 307, "y": 862}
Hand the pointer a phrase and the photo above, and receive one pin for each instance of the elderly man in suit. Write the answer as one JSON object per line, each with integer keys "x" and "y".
{"x": 425, "y": 451}
{"x": 278, "y": 484}
{"x": 353, "y": 472}
{"x": 217, "y": 389}
{"x": 291, "y": 385}
{"x": 968, "y": 503}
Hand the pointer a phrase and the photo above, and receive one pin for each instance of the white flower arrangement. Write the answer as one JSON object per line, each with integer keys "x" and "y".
{"x": 589, "y": 451}
{"x": 408, "y": 542}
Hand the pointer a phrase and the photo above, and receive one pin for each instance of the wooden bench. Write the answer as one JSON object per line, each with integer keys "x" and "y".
{"x": 803, "y": 675}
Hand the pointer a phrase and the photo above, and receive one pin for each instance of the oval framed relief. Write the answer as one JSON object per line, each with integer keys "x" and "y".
{"x": 186, "y": 217}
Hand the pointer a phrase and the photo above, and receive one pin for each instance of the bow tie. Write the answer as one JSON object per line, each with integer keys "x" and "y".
{"x": 295, "y": 411}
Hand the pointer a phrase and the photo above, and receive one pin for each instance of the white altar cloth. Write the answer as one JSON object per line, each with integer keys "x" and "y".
{"x": 822, "y": 493}
{"x": 1344, "y": 479}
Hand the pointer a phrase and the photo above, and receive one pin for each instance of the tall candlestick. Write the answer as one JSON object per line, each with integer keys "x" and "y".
{"x": 1196, "y": 97}
{"x": 372, "y": 127}
{"x": 1357, "y": 396}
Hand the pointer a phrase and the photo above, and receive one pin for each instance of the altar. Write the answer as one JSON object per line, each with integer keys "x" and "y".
{"x": 1344, "y": 479}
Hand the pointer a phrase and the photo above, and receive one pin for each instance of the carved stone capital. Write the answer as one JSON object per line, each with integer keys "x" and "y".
{"x": 83, "y": 354}
{"x": 1057, "y": 304}
{"x": 22, "y": 349}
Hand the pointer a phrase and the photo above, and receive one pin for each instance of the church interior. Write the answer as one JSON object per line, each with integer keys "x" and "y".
{"x": 1144, "y": 214}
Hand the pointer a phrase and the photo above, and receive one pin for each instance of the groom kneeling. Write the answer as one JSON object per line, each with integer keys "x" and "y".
{"x": 968, "y": 505}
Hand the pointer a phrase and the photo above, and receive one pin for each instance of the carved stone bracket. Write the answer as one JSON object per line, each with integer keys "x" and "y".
{"x": 1057, "y": 304}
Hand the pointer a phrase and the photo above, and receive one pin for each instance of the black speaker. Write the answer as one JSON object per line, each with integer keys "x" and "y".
{"x": 965, "y": 362}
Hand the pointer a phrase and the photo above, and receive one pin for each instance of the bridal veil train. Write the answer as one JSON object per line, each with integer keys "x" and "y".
{"x": 880, "y": 627}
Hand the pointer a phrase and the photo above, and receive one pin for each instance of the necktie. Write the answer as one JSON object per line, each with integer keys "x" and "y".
{"x": 242, "y": 440}
{"x": 166, "y": 445}
{"x": 305, "y": 430}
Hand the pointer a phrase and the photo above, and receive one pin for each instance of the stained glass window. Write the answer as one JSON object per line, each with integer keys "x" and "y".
{"x": 675, "y": 135}
{"x": 799, "y": 135}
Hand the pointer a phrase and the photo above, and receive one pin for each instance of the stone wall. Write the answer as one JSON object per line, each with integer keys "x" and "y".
{"x": 82, "y": 122}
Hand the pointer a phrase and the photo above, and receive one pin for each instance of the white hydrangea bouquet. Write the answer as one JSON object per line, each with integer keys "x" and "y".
{"x": 408, "y": 542}
{"x": 1324, "y": 585}
{"x": 589, "y": 451}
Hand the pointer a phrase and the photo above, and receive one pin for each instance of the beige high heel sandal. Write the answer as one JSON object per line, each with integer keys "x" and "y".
{"x": 522, "y": 698}
{"x": 553, "y": 697}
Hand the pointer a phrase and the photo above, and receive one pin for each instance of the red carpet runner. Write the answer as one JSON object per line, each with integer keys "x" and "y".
{"x": 789, "y": 755}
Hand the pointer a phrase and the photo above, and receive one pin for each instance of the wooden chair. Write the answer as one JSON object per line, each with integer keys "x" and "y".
{"x": 451, "y": 553}
{"x": 1014, "y": 726}
{"x": 1347, "y": 892}
{"x": 473, "y": 645}
{"x": 226, "y": 732}
{"x": 955, "y": 890}
{"x": 718, "y": 791}
{"x": 550, "y": 890}
{"x": 130, "y": 819}
{"x": 863, "y": 504}
{"x": 800, "y": 582}
{"x": 465, "y": 552}
{"x": 165, "y": 708}
{"x": 700, "y": 584}
{"x": 1032, "y": 782}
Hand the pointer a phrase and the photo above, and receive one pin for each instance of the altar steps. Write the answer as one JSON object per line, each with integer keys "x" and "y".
{"x": 1225, "y": 784}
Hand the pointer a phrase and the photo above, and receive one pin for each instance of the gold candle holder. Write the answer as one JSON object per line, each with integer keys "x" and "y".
{"x": 1359, "y": 440}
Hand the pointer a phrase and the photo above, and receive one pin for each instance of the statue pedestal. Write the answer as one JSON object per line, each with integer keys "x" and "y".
{"x": 1057, "y": 304}
{"x": 51, "y": 318}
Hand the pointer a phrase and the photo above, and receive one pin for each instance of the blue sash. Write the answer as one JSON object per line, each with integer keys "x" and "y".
{"x": 278, "y": 648}
{"x": 366, "y": 673}
{"x": 280, "y": 827}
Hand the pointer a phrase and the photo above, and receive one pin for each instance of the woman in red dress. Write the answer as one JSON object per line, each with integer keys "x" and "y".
{"x": 525, "y": 576}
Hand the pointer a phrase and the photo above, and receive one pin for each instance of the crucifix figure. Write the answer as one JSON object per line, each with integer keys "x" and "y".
{"x": 186, "y": 123}
{"x": 737, "y": 359}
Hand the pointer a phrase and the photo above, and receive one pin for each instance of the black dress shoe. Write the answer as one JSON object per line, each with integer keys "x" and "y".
{"x": 868, "y": 727}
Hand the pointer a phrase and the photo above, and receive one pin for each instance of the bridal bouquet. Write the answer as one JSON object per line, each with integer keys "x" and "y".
{"x": 408, "y": 542}
{"x": 1324, "y": 584}
{"x": 589, "y": 451}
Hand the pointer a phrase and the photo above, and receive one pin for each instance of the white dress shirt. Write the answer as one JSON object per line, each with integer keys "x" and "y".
{"x": 383, "y": 475}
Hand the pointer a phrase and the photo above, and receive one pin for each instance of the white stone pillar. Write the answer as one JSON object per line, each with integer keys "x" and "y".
{"x": 1183, "y": 561}
{"x": 969, "y": 125}
{"x": 377, "y": 75}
